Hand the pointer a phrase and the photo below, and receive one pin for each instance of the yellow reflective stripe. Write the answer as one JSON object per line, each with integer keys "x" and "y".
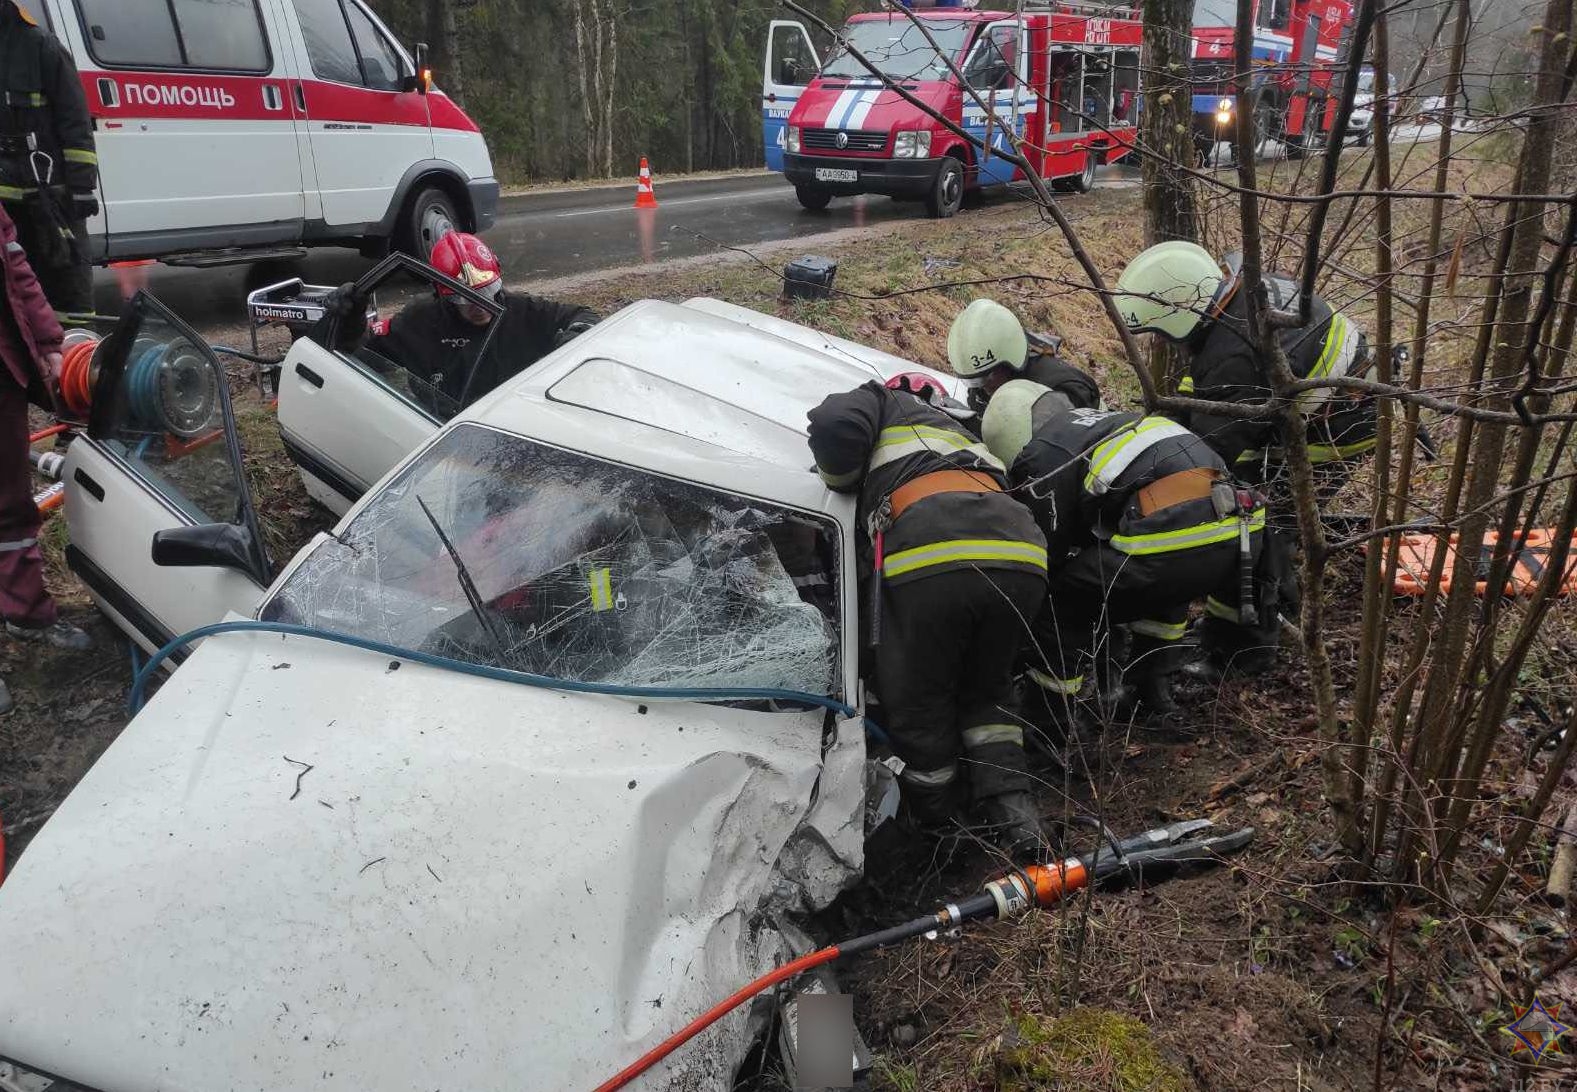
{"x": 964, "y": 549}
{"x": 1116, "y": 453}
{"x": 1161, "y": 631}
{"x": 838, "y": 481}
{"x": 15, "y": 193}
{"x": 943, "y": 776}
{"x": 1326, "y": 453}
{"x": 1336, "y": 356}
{"x": 1202, "y": 534}
{"x": 1069, "y": 687}
{"x": 600, "y": 581}
{"x": 902, "y": 441}
{"x": 81, "y": 155}
{"x": 984, "y": 735}
{"x": 1216, "y": 608}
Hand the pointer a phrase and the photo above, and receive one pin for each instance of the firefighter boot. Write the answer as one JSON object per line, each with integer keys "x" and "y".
{"x": 1014, "y": 822}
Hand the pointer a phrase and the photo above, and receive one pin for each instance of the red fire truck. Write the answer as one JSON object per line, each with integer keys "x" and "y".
{"x": 1297, "y": 52}
{"x": 1064, "y": 78}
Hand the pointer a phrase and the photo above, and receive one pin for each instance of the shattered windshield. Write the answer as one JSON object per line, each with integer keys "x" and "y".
{"x": 494, "y": 549}
{"x": 898, "y": 48}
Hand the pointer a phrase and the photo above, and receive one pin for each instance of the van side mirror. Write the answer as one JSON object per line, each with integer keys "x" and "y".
{"x": 217, "y": 545}
{"x": 422, "y": 81}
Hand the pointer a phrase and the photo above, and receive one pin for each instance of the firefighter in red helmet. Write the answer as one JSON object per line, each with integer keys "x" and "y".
{"x": 439, "y": 339}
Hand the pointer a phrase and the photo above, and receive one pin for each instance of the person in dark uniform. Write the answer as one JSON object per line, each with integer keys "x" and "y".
{"x": 987, "y": 347}
{"x": 1178, "y": 291}
{"x": 48, "y": 166}
{"x": 1141, "y": 519}
{"x": 439, "y": 339}
{"x": 957, "y": 571}
{"x": 30, "y": 340}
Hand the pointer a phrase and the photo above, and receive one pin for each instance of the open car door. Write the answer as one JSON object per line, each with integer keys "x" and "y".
{"x": 790, "y": 66}
{"x": 163, "y": 530}
{"x": 348, "y": 417}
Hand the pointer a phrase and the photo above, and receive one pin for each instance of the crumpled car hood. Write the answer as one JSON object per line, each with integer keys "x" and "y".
{"x": 475, "y": 885}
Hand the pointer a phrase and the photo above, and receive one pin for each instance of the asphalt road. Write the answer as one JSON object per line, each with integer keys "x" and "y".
{"x": 563, "y": 232}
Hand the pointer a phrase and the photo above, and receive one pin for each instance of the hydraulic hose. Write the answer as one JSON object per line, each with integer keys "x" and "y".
{"x": 252, "y": 358}
{"x": 483, "y": 671}
{"x": 716, "y": 1013}
{"x": 46, "y": 433}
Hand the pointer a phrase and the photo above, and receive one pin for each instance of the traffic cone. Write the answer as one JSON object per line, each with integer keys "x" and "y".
{"x": 645, "y": 198}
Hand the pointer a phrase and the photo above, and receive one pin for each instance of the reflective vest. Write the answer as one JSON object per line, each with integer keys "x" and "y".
{"x": 872, "y": 440}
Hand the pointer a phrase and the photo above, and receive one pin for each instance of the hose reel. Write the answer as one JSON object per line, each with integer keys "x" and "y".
{"x": 168, "y": 387}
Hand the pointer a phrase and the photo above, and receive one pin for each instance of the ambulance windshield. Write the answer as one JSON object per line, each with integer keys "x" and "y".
{"x": 898, "y": 48}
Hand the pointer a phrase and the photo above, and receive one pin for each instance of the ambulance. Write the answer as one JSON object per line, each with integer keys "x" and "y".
{"x": 1063, "y": 78}
{"x": 230, "y": 130}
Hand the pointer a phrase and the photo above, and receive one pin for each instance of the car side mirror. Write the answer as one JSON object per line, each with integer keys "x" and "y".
{"x": 217, "y": 545}
{"x": 422, "y": 81}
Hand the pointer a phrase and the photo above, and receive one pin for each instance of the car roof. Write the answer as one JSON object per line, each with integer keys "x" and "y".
{"x": 702, "y": 390}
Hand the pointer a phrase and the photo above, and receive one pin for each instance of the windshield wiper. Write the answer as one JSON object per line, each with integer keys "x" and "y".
{"x": 468, "y": 586}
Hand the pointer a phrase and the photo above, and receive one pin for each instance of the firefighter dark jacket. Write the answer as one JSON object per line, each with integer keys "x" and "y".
{"x": 434, "y": 342}
{"x": 1075, "y": 384}
{"x": 872, "y": 440}
{"x": 44, "y": 98}
{"x": 1082, "y": 470}
{"x": 1224, "y": 366}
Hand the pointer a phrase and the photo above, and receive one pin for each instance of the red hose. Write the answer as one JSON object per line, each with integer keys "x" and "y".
{"x": 46, "y": 433}
{"x": 715, "y": 1013}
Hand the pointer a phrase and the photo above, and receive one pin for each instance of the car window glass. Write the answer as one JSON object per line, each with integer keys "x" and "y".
{"x": 329, "y": 48}
{"x": 794, "y": 62}
{"x": 379, "y": 60}
{"x": 420, "y": 346}
{"x": 165, "y": 419}
{"x": 584, "y": 570}
{"x": 131, "y": 32}
{"x": 222, "y": 34}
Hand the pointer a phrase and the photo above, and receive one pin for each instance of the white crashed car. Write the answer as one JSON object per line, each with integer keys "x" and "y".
{"x": 306, "y": 864}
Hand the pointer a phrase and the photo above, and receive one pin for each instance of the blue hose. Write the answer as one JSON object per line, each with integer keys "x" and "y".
{"x": 522, "y": 678}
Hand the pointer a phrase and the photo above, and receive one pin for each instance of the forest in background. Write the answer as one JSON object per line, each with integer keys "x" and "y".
{"x": 568, "y": 89}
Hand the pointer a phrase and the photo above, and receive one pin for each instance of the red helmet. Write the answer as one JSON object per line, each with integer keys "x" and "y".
{"x": 922, "y": 386}
{"x": 468, "y": 260}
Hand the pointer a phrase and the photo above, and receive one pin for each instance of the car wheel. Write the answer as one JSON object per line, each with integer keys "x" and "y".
{"x": 813, "y": 199}
{"x": 947, "y": 190}
{"x": 1364, "y": 137}
{"x": 431, "y": 216}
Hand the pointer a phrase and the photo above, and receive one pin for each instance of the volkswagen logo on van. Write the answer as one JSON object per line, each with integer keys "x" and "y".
{"x": 841, "y": 140}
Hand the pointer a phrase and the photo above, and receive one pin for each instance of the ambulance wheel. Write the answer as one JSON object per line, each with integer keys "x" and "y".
{"x": 811, "y": 198}
{"x": 430, "y": 216}
{"x": 947, "y": 190}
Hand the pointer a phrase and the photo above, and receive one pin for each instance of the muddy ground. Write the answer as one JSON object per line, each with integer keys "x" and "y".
{"x": 1265, "y": 974}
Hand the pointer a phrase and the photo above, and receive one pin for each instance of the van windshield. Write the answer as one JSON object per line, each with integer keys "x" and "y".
{"x": 1215, "y": 14}
{"x": 898, "y": 48}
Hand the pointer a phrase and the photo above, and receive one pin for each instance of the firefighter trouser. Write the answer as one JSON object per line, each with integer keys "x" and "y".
{"x": 949, "y": 643}
{"x": 23, "y": 599}
{"x": 67, "y": 280}
{"x": 1150, "y": 593}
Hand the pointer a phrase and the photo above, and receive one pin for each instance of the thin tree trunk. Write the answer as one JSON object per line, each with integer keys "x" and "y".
{"x": 1171, "y": 205}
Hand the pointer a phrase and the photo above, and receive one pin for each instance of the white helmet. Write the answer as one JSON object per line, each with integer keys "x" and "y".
{"x": 1168, "y": 289}
{"x": 1009, "y": 423}
{"x": 986, "y": 335}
